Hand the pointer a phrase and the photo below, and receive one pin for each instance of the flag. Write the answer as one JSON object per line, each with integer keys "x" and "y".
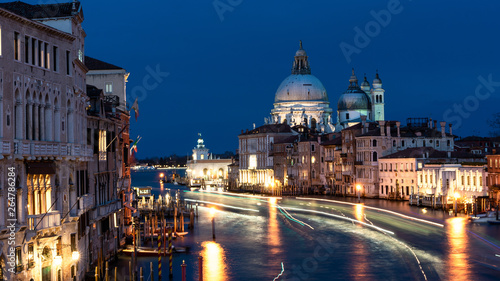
{"x": 135, "y": 107}
{"x": 133, "y": 147}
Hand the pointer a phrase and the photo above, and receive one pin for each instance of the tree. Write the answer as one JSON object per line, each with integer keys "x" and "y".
{"x": 494, "y": 123}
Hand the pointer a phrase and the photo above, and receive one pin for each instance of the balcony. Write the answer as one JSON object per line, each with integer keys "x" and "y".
{"x": 107, "y": 209}
{"x": 86, "y": 203}
{"x": 44, "y": 149}
{"x": 42, "y": 221}
{"x": 329, "y": 158}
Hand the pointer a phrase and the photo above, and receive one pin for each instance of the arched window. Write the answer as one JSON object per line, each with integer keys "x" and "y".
{"x": 313, "y": 174}
{"x": 374, "y": 143}
{"x": 375, "y": 156}
{"x": 347, "y": 116}
{"x": 394, "y": 143}
{"x": 285, "y": 122}
{"x": 313, "y": 124}
{"x": 381, "y": 99}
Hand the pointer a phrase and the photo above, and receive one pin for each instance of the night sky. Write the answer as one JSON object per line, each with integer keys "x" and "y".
{"x": 225, "y": 67}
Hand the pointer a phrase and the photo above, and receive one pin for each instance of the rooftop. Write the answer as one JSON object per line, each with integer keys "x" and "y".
{"x": 40, "y": 11}
{"x": 95, "y": 64}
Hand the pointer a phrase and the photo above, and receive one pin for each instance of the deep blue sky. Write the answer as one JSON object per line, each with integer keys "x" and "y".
{"x": 224, "y": 74}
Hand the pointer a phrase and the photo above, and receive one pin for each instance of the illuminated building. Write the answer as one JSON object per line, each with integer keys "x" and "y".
{"x": 256, "y": 167}
{"x": 203, "y": 166}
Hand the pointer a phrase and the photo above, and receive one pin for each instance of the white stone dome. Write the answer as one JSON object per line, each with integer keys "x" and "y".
{"x": 301, "y": 87}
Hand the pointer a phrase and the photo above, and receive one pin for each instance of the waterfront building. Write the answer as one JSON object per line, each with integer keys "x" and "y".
{"x": 387, "y": 137}
{"x": 205, "y": 167}
{"x": 110, "y": 78}
{"x": 44, "y": 139}
{"x": 256, "y": 167}
{"x": 283, "y": 163}
{"x": 101, "y": 207}
{"x": 301, "y": 99}
{"x": 233, "y": 174}
{"x": 332, "y": 165}
{"x": 431, "y": 173}
{"x": 477, "y": 145}
{"x": 493, "y": 165}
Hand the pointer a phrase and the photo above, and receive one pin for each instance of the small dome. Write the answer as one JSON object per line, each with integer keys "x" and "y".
{"x": 377, "y": 79}
{"x": 301, "y": 87}
{"x": 354, "y": 99}
{"x": 365, "y": 83}
{"x": 300, "y": 53}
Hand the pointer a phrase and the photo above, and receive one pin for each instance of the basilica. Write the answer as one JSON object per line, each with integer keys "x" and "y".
{"x": 301, "y": 99}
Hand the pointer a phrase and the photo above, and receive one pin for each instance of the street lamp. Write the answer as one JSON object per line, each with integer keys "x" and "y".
{"x": 456, "y": 195}
{"x": 358, "y": 187}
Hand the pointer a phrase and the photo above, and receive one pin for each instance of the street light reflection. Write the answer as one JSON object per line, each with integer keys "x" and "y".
{"x": 458, "y": 248}
{"x": 273, "y": 228}
{"x": 214, "y": 265}
{"x": 359, "y": 212}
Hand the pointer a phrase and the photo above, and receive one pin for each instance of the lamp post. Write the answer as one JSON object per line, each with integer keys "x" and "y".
{"x": 358, "y": 188}
{"x": 456, "y": 195}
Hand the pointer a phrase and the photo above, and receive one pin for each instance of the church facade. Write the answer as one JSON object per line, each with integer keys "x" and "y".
{"x": 301, "y": 99}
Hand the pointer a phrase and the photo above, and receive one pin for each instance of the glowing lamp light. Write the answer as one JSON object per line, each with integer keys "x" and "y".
{"x": 75, "y": 255}
{"x": 161, "y": 175}
{"x": 358, "y": 187}
{"x": 57, "y": 261}
{"x": 212, "y": 211}
{"x": 457, "y": 195}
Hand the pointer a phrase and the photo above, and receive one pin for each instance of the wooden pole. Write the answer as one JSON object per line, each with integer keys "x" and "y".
{"x": 151, "y": 270}
{"x": 107, "y": 272}
{"x": 115, "y": 273}
{"x": 183, "y": 266}
{"x": 159, "y": 256}
{"x": 140, "y": 275}
{"x": 96, "y": 274}
{"x": 170, "y": 250}
{"x": 129, "y": 270}
{"x": 200, "y": 268}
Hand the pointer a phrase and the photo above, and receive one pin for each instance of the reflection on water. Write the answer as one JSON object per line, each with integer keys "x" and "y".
{"x": 214, "y": 262}
{"x": 359, "y": 212}
{"x": 360, "y": 254}
{"x": 458, "y": 244}
{"x": 273, "y": 230}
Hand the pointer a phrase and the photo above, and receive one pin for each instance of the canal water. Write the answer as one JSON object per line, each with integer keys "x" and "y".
{"x": 290, "y": 239}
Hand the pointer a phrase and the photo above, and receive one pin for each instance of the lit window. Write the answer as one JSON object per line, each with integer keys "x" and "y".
{"x": 252, "y": 162}
{"x": 313, "y": 159}
{"x": 102, "y": 145}
{"x": 17, "y": 46}
{"x": 109, "y": 87}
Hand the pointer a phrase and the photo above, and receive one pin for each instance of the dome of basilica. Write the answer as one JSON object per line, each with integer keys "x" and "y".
{"x": 301, "y": 87}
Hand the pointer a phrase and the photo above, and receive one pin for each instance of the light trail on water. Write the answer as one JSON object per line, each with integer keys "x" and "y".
{"x": 374, "y": 208}
{"x": 341, "y": 217}
{"x": 222, "y": 205}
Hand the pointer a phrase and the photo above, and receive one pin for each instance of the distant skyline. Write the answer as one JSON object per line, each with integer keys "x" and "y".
{"x": 221, "y": 62}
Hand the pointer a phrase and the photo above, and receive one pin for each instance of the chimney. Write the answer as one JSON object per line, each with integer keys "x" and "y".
{"x": 430, "y": 123}
{"x": 451, "y": 131}
{"x": 397, "y": 125}
{"x": 363, "y": 123}
{"x": 381, "y": 125}
{"x": 242, "y": 131}
{"x": 388, "y": 129}
{"x": 494, "y": 151}
{"x": 443, "y": 124}
{"x": 254, "y": 126}
{"x": 435, "y": 124}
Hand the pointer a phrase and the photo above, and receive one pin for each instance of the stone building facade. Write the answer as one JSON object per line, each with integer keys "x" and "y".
{"x": 60, "y": 190}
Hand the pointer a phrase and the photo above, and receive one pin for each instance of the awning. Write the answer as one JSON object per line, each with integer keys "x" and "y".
{"x": 130, "y": 207}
